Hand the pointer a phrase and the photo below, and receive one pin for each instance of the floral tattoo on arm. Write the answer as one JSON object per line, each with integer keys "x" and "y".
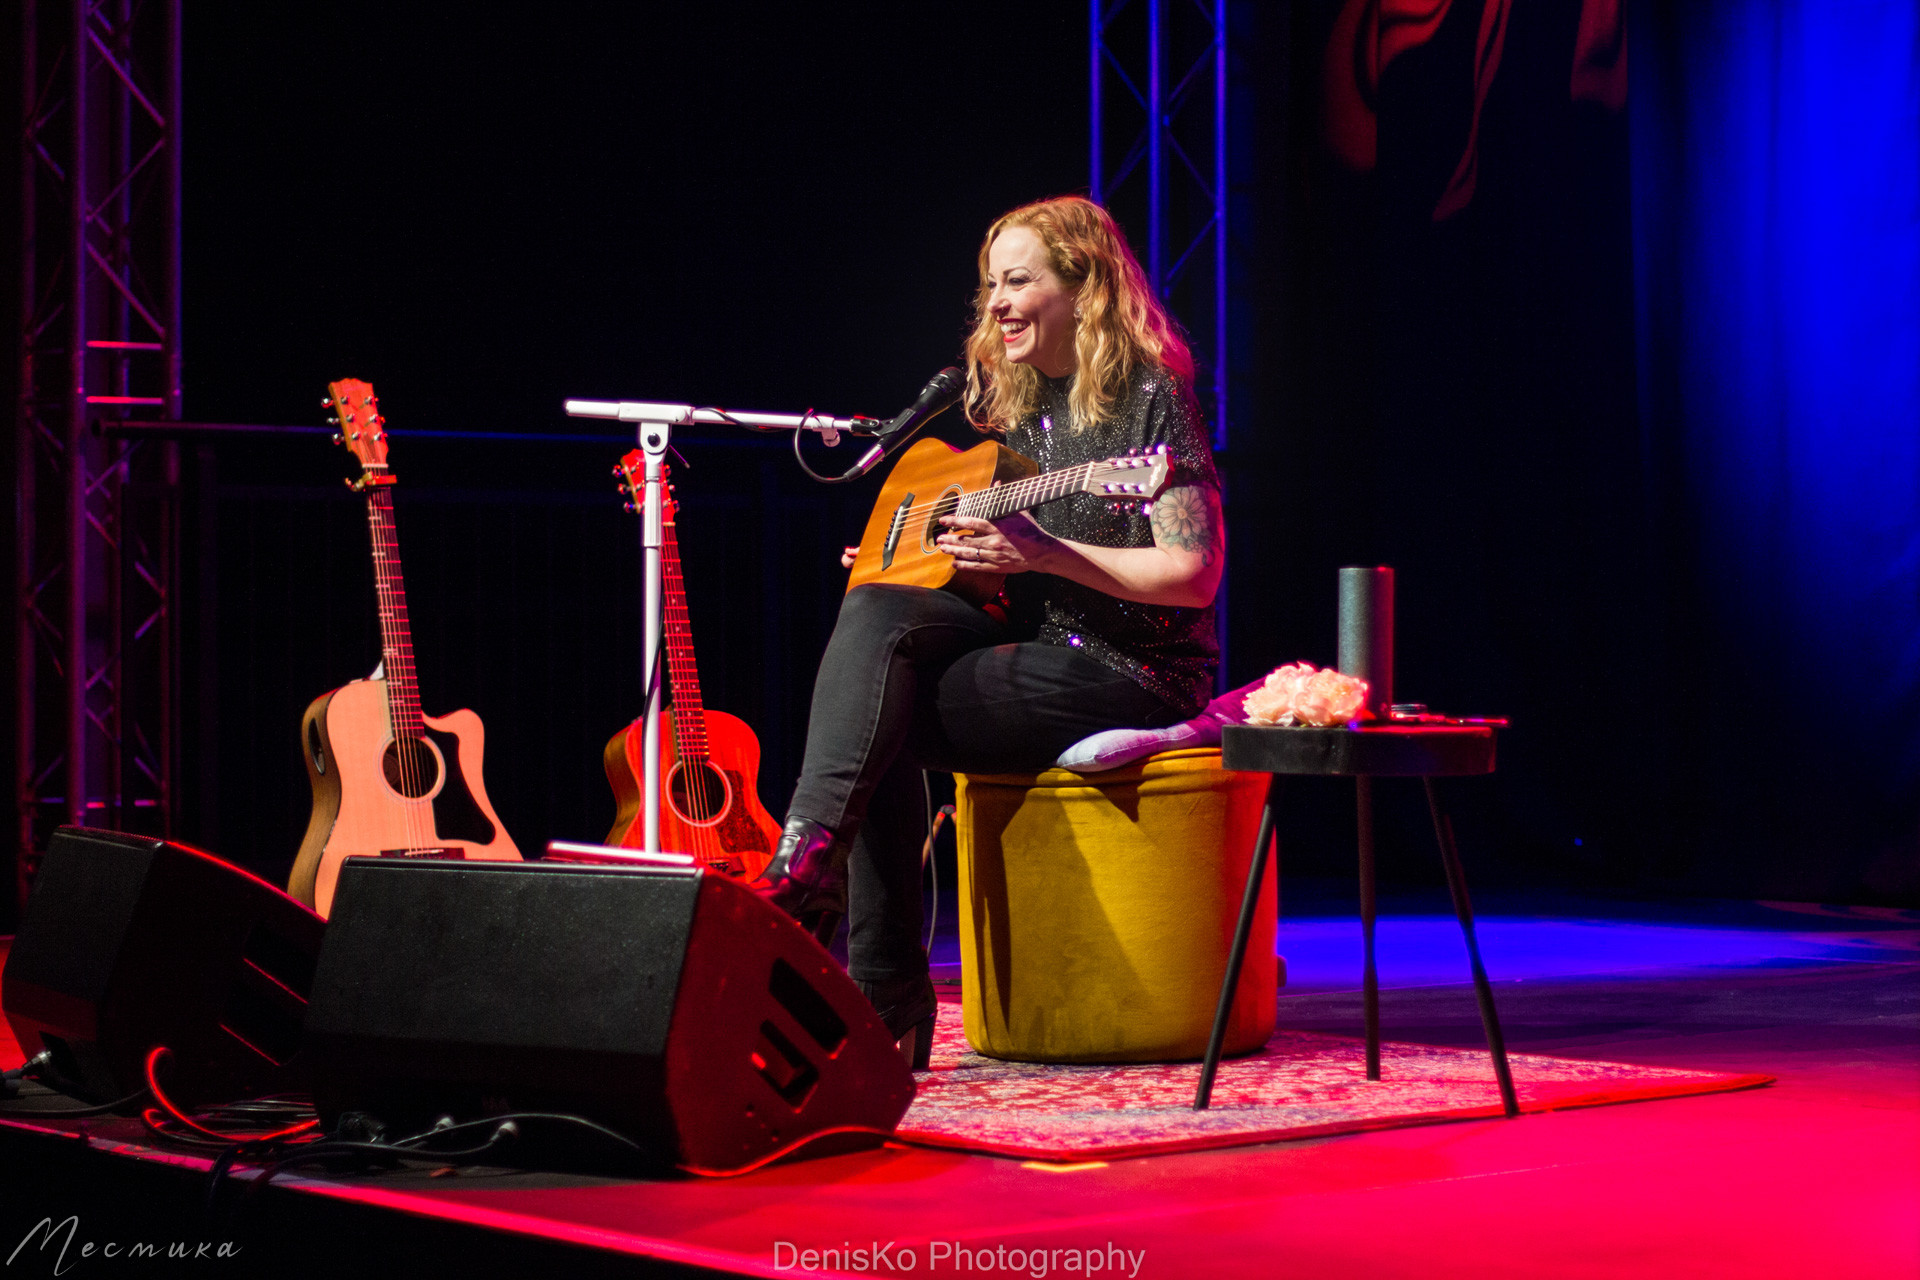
{"x": 1188, "y": 519}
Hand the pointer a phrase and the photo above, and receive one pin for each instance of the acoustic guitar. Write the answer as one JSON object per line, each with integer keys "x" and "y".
{"x": 709, "y": 760}
{"x": 388, "y": 780}
{"x": 933, "y": 480}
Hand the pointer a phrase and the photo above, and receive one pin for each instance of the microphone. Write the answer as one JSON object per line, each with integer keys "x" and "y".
{"x": 946, "y": 386}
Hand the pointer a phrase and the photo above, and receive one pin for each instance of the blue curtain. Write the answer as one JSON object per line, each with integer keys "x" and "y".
{"x": 1776, "y": 159}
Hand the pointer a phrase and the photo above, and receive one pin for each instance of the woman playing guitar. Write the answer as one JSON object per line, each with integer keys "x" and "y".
{"x": 1108, "y": 609}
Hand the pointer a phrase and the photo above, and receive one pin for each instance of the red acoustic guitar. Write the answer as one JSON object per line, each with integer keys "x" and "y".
{"x": 388, "y": 780}
{"x": 709, "y": 760}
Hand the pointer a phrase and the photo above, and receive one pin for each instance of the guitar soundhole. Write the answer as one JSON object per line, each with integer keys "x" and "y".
{"x": 698, "y": 795}
{"x": 415, "y": 774}
{"x": 944, "y": 505}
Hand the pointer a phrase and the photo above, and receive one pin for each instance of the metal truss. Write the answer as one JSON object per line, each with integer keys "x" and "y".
{"x": 1159, "y": 90}
{"x": 97, "y": 535}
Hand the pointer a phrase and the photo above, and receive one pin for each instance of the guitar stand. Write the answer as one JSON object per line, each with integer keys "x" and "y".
{"x": 655, "y": 428}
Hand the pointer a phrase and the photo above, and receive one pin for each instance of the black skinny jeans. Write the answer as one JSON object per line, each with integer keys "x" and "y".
{"x": 916, "y": 679}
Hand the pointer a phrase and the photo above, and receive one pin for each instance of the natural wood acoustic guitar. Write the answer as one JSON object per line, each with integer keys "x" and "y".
{"x": 388, "y": 780}
{"x": 709, "y": 760}
{"x": 933, "y": 480}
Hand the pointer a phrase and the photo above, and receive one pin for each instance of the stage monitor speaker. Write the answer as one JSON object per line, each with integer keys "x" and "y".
{"x": 671, "y": 1005}
{"x": 131, "y": 942}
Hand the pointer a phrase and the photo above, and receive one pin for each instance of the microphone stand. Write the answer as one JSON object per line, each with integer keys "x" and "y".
{"x": 655, "y": 423}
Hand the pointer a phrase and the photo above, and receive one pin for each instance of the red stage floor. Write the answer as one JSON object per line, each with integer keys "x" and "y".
{"x": 1816, "y": 1175}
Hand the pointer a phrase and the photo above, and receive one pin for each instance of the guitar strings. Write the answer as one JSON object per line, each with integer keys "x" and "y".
{"x": 402, "y": 693}
{"x": 386, "y": 539}
{"x": 690, "y": 741}
{"x": 1019, "y": 490}
{"x": 1068, "y": 479}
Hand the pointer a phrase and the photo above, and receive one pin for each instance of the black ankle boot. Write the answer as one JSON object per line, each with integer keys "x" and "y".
{"x": 807, "y": 878}
{"x": 907, "y": 1006}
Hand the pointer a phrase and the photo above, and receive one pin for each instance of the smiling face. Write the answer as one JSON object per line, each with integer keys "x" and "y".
{"x": 1033, "y": 308}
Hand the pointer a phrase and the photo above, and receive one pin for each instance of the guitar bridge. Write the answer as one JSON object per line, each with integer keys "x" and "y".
{"x": 455, "y": 853}
{"x": 894, "y": 530}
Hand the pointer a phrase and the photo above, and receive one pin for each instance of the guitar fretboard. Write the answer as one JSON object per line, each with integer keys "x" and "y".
{"x": 689, "y": 714}
{"x": 1005, "y": 499}
{"x": 396, "y": 635}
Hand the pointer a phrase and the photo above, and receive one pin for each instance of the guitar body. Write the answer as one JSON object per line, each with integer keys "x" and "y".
{"x": 725, "y": 826}
{"x": 358, "y": 811}
{"x": 926, "y": 484}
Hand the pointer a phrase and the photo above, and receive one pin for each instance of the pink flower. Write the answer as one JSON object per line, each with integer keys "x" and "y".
{"x": 1298, "y": 694}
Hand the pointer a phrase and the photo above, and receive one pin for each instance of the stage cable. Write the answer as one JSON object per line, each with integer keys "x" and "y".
{"x": 930, "y": 862}
{"x": 159, "y": 1054}
{"x": 846, "y": 477}
{"x": 31, "y": 1070}
{"x": 787, "y": 1150}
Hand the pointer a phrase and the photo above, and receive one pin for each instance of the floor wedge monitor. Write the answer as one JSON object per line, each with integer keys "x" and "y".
{"x": 131, "y": 942}
{"x": 670, "y": 1005}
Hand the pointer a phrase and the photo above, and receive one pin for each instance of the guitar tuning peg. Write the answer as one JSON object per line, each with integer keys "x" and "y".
{"x": 338, "y": 438}
{"x": 617, "y": 469}
{"x": 333, "y": 422}
{"x": 629, "y": 507}
{"x": 379, "y": 435}
{"x": 622, "y": 488}
{"x": 326, "y": 402}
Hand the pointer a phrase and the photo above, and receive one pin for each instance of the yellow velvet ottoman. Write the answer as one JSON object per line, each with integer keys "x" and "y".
{"x": 1097, "y": 911}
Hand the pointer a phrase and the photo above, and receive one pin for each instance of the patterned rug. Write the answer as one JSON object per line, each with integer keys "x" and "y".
{"x": 1302, "y": 1085}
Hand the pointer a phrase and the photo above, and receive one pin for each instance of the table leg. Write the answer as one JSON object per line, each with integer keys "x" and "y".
{"x": 1370, "y": 979}
{"x": 1241, "y": 932}
{"x": 1482, "y": 989}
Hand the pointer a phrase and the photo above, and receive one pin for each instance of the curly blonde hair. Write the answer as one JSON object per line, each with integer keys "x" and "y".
{"x": 1122, "y": 325}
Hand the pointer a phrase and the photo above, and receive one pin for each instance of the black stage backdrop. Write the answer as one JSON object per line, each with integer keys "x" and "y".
{"x": 777, "y": 207}
{"x": 1446, "y": 377}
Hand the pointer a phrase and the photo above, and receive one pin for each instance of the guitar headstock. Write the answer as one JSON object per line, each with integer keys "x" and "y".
{"x": 632, "y": 473}
{"x": 362, "y": 429}
{"x": 1137, "y": 476}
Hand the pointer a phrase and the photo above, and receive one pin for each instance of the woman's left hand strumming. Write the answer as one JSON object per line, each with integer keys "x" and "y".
{"x": 1014, "y": 545}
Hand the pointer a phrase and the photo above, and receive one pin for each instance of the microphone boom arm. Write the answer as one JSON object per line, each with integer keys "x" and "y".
{"x": 686, "y": 415}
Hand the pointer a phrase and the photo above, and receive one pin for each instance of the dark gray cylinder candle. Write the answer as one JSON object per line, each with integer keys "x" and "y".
{"x": 1366, "y": 631}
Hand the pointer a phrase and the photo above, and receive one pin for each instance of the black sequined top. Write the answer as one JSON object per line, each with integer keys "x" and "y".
{"x": 1172, "y": 652}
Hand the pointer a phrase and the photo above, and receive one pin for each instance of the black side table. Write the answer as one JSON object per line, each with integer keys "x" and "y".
{"x": 1402, "y": 751}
